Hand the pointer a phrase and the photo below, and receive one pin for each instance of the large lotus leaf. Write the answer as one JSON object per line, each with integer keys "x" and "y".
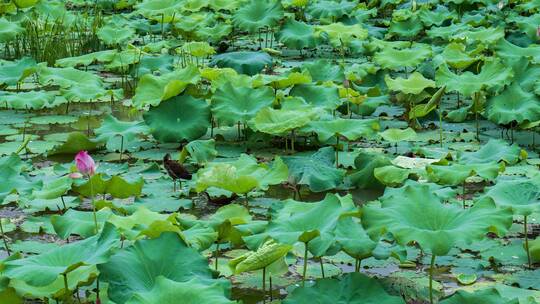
{"x": 180, "y": 118}
{"x": 194, "y": 291}
{"x": 353, "y": 288}
{"x": 326, "y": 97}
{"x": 495, "y": 150}
{"x": 53, "y": 189}
{"x": 231, "y": 104}
{"x": 513, "y": 104}
{"x": 136, "y": 269}
{"x": 396, "y": 59}
{"x": 115, "y": 34}
{"x": 201, "y": 151}
{"x": 13, "y": 181}
{"x": 330, "y": 9}
{"x": 340, "y": 35}
{"x": 282, "y": 81}
{"x": 312, "y": 223}
{"x": 353, "y": 239}
{"x": 323, "y": 70}
{"x": 456, "y": 174}
{"x": 417, "y": 214}
{"x": 279, "y": 122}
{"x": 297, "y": 35}
{"x": 67, "y": 77}
{"x": 397, "y": 135}
{"x": 268, "y": 253}
{"x": 29, "y": 100}
{"x": 508, "y": 50}
{"x": 367, "y": 162}
{"x": 79, "y": 222}
{"x": 249, "y": 63}
{"x": 484, "y": 296}
{"x": 391, "y": 175}
{"x": 415, "y": 84}
{"x": 64, "y": 259}
{"x": 408, "y": 28}
{"x": 258, "y": 14}
{"x": 317, "y": 170}
{"x": 456, "y": 56}
{"x": 351, "y": 129}
{"x": 144, "y": 222}
{"x": 489, "y": 35}
{"x": 119, "y": 135}
{"x": 436, "y": 17}
{"x": 13, "y": 72}
{"x": 152, "y": 90}
{"x": 522, "y": 196}
{"x": 493, "y": 77}
{"x": 76, "y": 141}
{"x": 242, "y": 175}
{"x": 86, "y": 59}
{"x": 116, "y": 186}
{"x": 9, "y": 30}
{"x": 160, "y": 9}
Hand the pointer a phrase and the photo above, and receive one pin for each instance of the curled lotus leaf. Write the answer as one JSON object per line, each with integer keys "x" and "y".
{"x": 415, "y": 84}
{"x": 268, "y": 253}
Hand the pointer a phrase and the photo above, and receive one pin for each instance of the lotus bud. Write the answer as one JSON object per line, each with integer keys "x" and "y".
{"x": 85, "y": 164}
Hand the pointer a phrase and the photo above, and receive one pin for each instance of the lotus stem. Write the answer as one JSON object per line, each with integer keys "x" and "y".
{"x": 477, "y": 126}
{"x": 357, "y": 265}
{"x": 63, "y": 203}
{"x": 246, "y": 199}
{"x": 337, "y": 151}
{"x": 440, "y": 125}
{"x": 96, "y": 229}
{"x": 432, "y": 265}
{"x": 526, "y": 241}
{"x": 121, "y": 146}
{"x": 264, "y": 284}
{"x": 322, "y": 267}
{"x": 66, "y": 288}
{"x": 305, "y": 264}
{"x": 216, "y": 255}
{"x": 270, "y": 283}
{"x": 292, "y": 140}
{"x": 463, "y": 195}
{"x": 4, "y": 238}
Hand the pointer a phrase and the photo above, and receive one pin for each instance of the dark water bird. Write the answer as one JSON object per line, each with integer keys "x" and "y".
{"x": 220, "y": 200}
{"x": 175, "y": 170}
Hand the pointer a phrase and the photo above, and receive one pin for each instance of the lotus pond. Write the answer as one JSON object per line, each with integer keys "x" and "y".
{"x": 264, "y": 151}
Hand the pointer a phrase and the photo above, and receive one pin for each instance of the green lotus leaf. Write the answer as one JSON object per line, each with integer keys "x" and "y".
{"x": 152, "y": 90}
{"x": 508, "y": 50}
{"x": 353, "y": 239}
{"x": 495, "y": 150}
{"x": 523, "y": 197}
{"x": 297, "y": 35}
{"x": 323, "y": 70}
{"x": 215, "y": 33}
{"x": 249, "y": 63}
{"x": 493, "y": 77}
{"x": 14, "y": 72}
{"x": 456, "y": 56}
{"x": 391, "y": 175}
{"x": 257, "y": 14}
{"x": 13, "y": 181}
{"x": 417, "y": 214}
{"x": 513, "y": 104}
{"x": 119, "y": 135}
{"x": 159, "y": 9}
{"x": 456, "y": 174}
{"x": 447, "y": 32}
{"x": 316, "y": 170}
{"x": 9, "y": 30}
{"x": 200, "y": 237}
{"x": 489, "y": 35}
{"x": 415, "y": 84}
{"x": 67, "y": 77}
{"x": 136, "y": 269}
{"x": 279, "y": 122}
{"x": 64, "y": 259}
{"x": 268, "y": 253}
{"x": 326, "y": 97}
{"x": 116, "y": 186}
{"x": 201, "y": 151}
{"x": 161, "y": 64}
{"x": 79, "y": 222}
{"x": 330, "y": 9}
{"x": 198, "y": 49}
{"x": 115, "y": 33}
{"x": 396, "y": 59}
{"x": 86, "y": 59}
{"x": 144, "y": 222}
{"x": 408, "y": 28}
{"x": 193, "y": 291}
{"x": 282, "y": 81}
{"x": 53, "y": 189}
{"x": 351, "y": 129}
{"x": 76, "y": 141}
{"x": 352, "y": 288}
{"x": 367, "y": 162}
{"x": 232, "y": 104}
{"x": 35, "y": 100}
{"x": 430, "y": 17}
{"x": 180, "y": 118}
{"x": 25, "y": 3}
{"x": 487, "y": 296}
{"x": 339, "y": 34}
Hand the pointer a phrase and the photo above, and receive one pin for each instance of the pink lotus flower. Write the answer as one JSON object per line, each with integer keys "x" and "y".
{"x": 85, "y": 163}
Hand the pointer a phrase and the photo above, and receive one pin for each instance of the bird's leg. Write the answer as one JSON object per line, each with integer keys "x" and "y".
{"x": 174, "y": 185}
